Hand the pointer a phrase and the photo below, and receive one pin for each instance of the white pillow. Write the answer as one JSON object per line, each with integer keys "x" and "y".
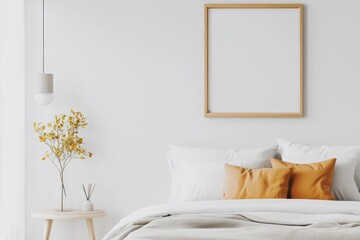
{"x": 199, "y": 174}
{"x": 347, "y": 157}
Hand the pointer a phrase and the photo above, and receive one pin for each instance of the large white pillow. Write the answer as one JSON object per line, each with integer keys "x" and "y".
{"x": 347, "y": 158}
{"x": 199, "y": 174}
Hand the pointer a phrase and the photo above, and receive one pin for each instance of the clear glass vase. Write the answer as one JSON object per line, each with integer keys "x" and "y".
{"x": 62, "y": 194}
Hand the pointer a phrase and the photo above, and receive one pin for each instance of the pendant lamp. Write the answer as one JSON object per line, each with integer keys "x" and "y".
{"x": 44, "y": 84}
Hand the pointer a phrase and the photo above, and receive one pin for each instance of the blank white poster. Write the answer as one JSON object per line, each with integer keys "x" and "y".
{"x": 254, "y": 60}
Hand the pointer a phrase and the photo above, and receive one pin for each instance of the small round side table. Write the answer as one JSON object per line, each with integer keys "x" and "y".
{"x": 51, "y": 215}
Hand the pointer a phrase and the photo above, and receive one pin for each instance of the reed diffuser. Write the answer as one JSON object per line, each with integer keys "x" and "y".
{"x": 88, "y": 191}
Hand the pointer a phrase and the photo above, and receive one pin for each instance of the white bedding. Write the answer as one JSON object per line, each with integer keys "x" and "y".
{"x": 289, "y": 212}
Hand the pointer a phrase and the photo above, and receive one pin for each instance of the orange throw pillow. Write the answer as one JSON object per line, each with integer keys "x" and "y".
{"x": 309, "y": 181}
{"x": 245, "y": 183}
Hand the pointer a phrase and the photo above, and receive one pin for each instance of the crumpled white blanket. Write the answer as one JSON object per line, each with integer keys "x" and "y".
{"x": 242, "y": 219}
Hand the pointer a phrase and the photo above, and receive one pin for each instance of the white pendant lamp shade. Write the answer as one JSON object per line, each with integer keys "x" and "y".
{"x": 44, "y": 89}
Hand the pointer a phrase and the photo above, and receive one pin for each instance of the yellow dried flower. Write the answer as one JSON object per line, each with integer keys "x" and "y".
{"x": 61, "y": 136}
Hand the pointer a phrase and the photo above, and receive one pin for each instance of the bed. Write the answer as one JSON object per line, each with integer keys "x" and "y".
{"x": 197, "y": 209}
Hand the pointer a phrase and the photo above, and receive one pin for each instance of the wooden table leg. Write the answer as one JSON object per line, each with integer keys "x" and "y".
{"x": 47, "y": 229}
{"x": 90, "y": 225}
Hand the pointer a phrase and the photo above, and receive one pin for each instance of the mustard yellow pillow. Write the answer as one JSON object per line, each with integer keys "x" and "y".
{"x": 246, "y": 183}
{"x": 309, "y": 181}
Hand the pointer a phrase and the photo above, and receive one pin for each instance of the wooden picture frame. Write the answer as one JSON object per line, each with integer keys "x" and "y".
{"x": 253, "y": 60}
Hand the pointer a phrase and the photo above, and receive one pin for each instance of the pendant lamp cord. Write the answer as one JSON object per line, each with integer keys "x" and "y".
{"x": 43, "y": 37}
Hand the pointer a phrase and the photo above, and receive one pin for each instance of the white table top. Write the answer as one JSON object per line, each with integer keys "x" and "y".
{"x": 72, "y": 214}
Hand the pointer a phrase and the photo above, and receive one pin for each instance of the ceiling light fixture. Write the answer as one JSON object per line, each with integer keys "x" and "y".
{"x": 44, "y": 84}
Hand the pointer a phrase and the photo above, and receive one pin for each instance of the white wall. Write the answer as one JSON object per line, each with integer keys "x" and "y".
{"x": 135, "y": 68}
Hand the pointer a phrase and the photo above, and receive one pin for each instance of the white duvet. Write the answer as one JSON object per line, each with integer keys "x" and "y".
{"x": 267, "y": 214}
